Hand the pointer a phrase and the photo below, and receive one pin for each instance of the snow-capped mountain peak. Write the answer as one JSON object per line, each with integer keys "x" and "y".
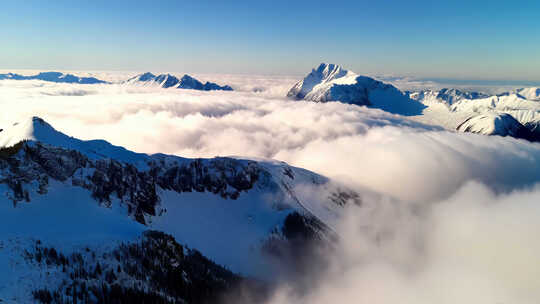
{"x": 323, "y": 74}
{"x": 144, "y": 77}
{"x": 33, "y": 128}
{"x": 328, "y": 72}
{"x": 330, "y": 82}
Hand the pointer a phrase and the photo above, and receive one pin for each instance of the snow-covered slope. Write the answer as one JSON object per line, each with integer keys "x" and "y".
{"x": 530, "y": 93}
{"x": 445, "y": 96}
{"x": 53, "y": 77}
{"x": 451, "y": 107}
{"x": 226, "y": 207}
{"x": 527, "y": 112}
{"x": 330, "y": 82}
{"x": 495, "y": 124}
{"x": 36, "y": 129}
{"x": 171, "y": 81}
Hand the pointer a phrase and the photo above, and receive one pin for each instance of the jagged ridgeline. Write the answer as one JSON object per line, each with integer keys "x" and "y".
{"x": 237, "y": 212}
{"x": 170, "y": 81}
{"x": 33, "y": 163}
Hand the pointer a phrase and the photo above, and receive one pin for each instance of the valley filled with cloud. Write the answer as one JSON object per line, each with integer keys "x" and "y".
{"x": 443, "y": 202}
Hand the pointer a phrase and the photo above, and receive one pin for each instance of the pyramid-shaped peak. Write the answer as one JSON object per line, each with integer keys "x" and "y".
{"x": 187, "y": 77}
{"x": 327, "y": 72}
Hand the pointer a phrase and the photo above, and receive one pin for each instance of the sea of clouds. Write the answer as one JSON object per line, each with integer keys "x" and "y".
{"x": 455, "y": 220}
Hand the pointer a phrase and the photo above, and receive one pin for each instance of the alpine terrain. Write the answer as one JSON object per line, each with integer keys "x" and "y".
{"x": 97, "y": 222}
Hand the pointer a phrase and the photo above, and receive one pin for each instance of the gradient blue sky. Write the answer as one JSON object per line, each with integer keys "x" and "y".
{"x": 457, "y": 39}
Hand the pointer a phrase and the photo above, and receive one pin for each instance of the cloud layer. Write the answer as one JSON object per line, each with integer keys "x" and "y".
{"x": 456, "y": 219}
{"x": 362, "y": 146}
{"x": 474, "y": 247}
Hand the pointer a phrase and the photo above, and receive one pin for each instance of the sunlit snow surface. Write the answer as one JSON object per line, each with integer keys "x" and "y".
{"x": 66, "y": 218}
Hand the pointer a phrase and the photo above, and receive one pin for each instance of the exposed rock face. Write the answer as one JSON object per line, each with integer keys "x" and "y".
{"x": 496, "y": 124}
{"x": 330, "y": 82}
{"x": 534, "y": 127}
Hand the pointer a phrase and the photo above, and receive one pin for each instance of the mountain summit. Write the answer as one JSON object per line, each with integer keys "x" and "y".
{"x": 330, "y": 82}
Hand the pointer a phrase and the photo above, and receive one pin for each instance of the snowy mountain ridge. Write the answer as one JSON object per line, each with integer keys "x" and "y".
{"x": 532, "y": 93}
{"x": 447, "y": 96}
{"x": 471, "y": 110}
{"x": 526, "y": 111}
{"x": 205, "y": 203}
{"x": 53, "y": 77}
{"x": 171, "y": 81}
{"x": 496, "y": 124}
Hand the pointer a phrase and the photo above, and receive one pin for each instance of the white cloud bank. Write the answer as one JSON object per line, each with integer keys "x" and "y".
{"x": 464, "y": 230}
{"x": 363, "y": 146}
{"x": 475, "y": 247}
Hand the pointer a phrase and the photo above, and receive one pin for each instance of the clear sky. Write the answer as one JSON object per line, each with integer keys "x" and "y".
{"x": 495, "y": 39}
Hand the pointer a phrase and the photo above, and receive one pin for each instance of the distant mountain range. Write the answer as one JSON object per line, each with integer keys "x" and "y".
{"x": 483, "y": 113}
{"x": 169, "y": 81}
{"x": 162, "y": 80}
{"x": 330, "y": 82}
{"x": 53, "y": 77}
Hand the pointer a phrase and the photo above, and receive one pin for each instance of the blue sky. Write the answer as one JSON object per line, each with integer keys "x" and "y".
{"x": 453, "y": 39}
